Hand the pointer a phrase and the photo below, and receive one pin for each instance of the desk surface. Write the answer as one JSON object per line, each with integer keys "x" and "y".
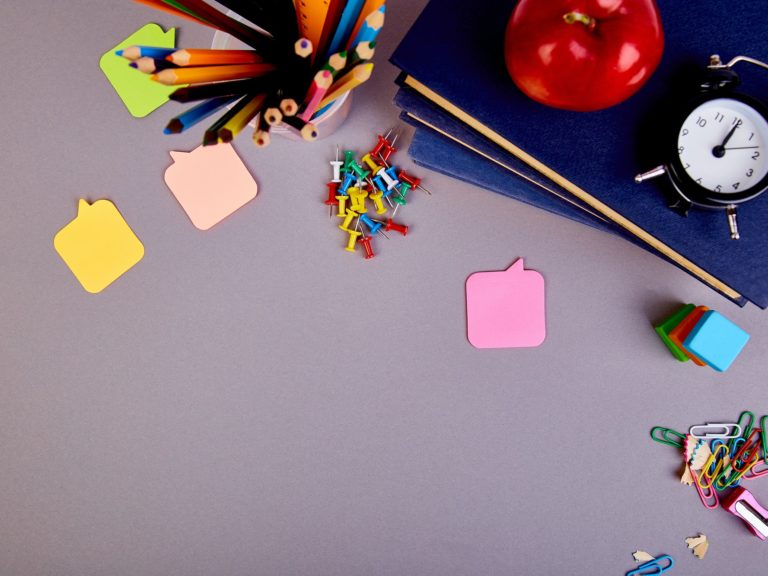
{"x": 255, "y": 400}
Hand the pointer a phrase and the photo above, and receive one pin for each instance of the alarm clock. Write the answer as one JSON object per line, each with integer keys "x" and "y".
{"x": 719, "y": 158}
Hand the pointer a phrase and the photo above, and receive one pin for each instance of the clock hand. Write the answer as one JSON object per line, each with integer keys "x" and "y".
{"x": 741, "y": 148}
{"x": 719, "y": 150}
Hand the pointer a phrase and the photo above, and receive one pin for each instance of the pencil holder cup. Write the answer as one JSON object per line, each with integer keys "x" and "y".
{"x": 329, "y": 119}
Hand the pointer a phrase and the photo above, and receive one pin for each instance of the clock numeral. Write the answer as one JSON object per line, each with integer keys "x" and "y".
{"x": 718, "y": 188}
{"x": 719, "y": 117}
{"x": 756, "y": 155}
{"x": 686, "y": 166}
{"x": 698, "y": 180}
{"x": 737, "y": 122}
{"x": 736, "y": 186}
{"x": 680, "y": 149}
{"x": 750, "y": 172}
{"x": 685, "y": 132}
{"x": 701, "y": 121}
{"x": 752, "y": 135}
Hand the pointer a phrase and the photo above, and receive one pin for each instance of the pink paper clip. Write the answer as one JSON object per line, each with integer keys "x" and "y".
{"x": 742, "y": 503}
{"x": 707, "y": 494}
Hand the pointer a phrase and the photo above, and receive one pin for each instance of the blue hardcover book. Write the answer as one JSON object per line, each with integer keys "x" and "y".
{"x": 531, "y": 188}
{"x": 437, "y": 152}
{"x": 453, "y": 56}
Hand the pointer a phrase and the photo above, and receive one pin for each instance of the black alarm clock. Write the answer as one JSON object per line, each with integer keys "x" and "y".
{"x": 719, "y": 158}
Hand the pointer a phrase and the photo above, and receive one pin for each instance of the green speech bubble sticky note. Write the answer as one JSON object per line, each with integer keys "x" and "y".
{"x": 139, "y": 93}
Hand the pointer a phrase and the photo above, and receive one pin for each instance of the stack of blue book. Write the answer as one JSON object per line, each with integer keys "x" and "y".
{"x": 472, "y": 123}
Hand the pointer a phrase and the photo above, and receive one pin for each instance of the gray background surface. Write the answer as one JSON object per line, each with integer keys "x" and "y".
{"x": 255, "y": 400}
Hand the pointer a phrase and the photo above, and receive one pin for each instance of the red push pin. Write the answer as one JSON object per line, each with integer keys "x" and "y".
{"x": 333, "y": 188}
{"x": 403, "y": 229}
{"x": 403, "y": 176}
{"x": 366, "y": 242}
{"x": 380, "y": 145}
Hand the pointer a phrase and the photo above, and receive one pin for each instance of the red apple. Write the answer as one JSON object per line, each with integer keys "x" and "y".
{"x": 583, "y": 54}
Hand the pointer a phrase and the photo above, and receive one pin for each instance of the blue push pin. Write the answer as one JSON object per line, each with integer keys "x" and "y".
{"x": 349, "y": 178}
{"x": 372, "y": 226}
{"x": 379, "y": 182}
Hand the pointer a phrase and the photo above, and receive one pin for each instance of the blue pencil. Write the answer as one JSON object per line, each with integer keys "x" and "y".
{"x": 135, "y": 52}
{"x": 197, "y": 113}
{"x": 346, "y": 25}
{"x": 371, "y": 27}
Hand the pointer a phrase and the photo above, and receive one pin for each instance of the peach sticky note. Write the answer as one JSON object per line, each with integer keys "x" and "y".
{"x": 210, "y": 183}
{"x": 98, "y": 245}
{"x": 506, "y": 309}
{"x": 140, "y": 94}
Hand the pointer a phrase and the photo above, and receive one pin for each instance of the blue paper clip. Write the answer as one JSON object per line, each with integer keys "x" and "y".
{"x": 644, "y": 569}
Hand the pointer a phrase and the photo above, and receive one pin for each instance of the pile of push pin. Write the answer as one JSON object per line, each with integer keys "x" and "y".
{"x": 718, "y": 458}
{"x": 373, "y": 179}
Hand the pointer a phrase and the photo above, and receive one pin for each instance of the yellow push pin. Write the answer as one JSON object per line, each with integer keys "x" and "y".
{"x": 347, "y": 220}
{"x": 353, "y": 234}
{"x": 372, "y": 164}
{"x": 376, "y": 198}
{"x": 342, "y": 206}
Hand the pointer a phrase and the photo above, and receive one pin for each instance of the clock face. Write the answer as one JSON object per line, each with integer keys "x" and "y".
{"x": 723, "y": 146}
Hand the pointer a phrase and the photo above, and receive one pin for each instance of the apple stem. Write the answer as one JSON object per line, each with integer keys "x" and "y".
{"x": 588, "y": 21}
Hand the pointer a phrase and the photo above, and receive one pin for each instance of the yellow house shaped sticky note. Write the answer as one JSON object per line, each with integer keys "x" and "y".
{"x": 140, "y": 94}
{"x": 98, "y": 245}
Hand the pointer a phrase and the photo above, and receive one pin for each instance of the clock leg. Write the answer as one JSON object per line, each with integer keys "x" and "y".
{"x": 730, "y": 211}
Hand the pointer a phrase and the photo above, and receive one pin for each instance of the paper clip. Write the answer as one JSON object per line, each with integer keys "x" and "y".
{"x": 756, "y": 471}
{"x": 707, "y": 494}
{"x": 655, "y": 565}
{"x": 665, "y": 436}
{"x": 747, "y": 455}
{"x": 729, "y": 430}
{"x": 714, "y": 464}
{"x": 746, "y": 428}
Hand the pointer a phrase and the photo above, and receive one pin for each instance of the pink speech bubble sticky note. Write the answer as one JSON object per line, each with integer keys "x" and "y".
{"x": 210, "y": 183}
{"x": 506, "y": 309}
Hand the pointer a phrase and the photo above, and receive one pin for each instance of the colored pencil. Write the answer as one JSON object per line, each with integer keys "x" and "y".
{"x": 307, "y": 130}
{"x": 371, "y": 27}
{"x": 336, "y": 63}
{"x": 196, "y": 114}
{"x": 193, "y": 75}
{"x": 368, "y": 7}
{"x": 151, "y": 65}
{"x": 335, "y": 10}
{"x": 320, "y": 85}
{"x": 168, "y": 9}
{"x": 211, "y": 135}
{"x": 136, "y": 52}
{"x": 205, "y": 57}
{"x": 347, "y": 21}
{"x": 273, "y": 116}
{"x": 240, "y": 120}
{"x": 245, "y": 34}
{"x": 347, "y": 82}
{"x": 261, "y": 135}
{"x": 311, "y": 15}
{"x": 363, "y": 52}
{"x": 230, "y": 88}
{"x": 255, "y": 12}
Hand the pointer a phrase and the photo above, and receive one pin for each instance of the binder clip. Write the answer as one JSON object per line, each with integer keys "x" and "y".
{"x": 742, "y": 504}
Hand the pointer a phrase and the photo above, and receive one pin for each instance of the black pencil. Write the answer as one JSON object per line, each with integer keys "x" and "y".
{"x": 230, "y": 88}
{"x": 307, "y": 130}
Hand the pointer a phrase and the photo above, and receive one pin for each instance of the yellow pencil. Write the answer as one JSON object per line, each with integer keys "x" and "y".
{"x": 240, "y": 120}
{"x": 350, "y": 80}
{"x": 196, "y": 75}
{"x": 203, "y": 57}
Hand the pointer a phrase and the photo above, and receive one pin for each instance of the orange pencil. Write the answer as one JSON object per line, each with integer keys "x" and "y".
{"x": 205, "y": 57}
{"x": 194, "y": 75}
{"x": 347, "y": 82}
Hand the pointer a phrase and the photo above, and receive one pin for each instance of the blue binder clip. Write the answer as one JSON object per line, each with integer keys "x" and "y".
{"x": 653, "y": 567}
